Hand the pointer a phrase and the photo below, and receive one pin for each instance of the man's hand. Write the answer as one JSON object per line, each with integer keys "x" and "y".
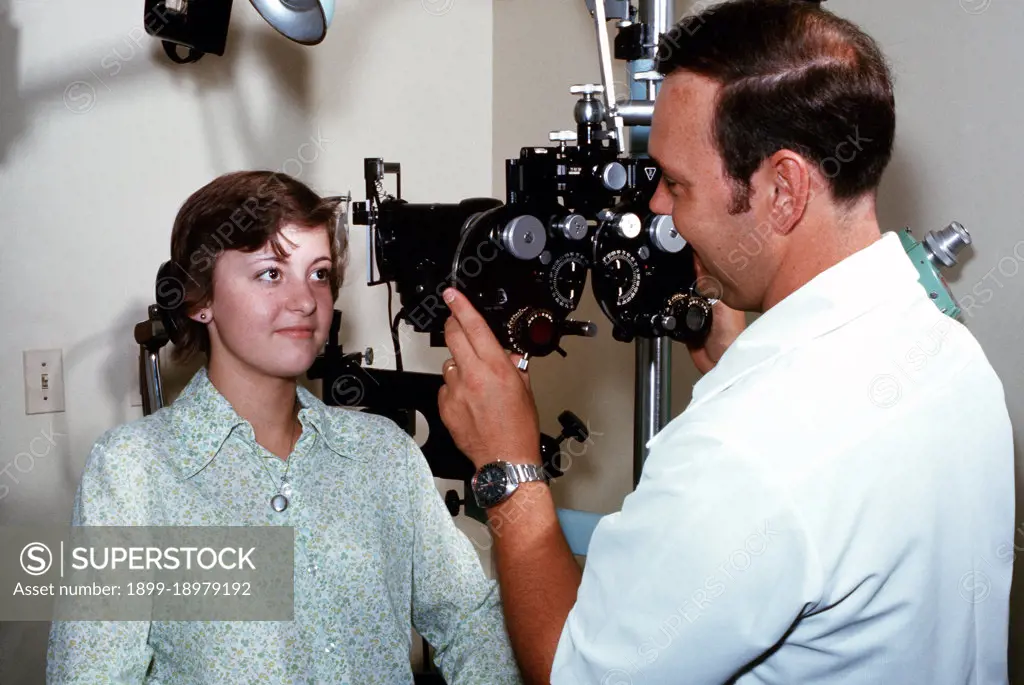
{"x": 486, "y": 402}
{"x": 727, "y": 324}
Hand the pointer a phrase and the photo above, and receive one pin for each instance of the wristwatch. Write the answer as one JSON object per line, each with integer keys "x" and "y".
{"x": 495, "y": 482}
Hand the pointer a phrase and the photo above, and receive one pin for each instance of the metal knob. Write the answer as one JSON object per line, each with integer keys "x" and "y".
{"x": 944, "y": 245}
{"x": 664, "y": 234}
{"x": 589, "y": 111}
{"x": 648, "y": 76}
{"x": 628, "y": 225}
{"x": 614, "y": 176}
{"x": 562, "y": 136}
{"x": 586, "y": 89}
{"x": 524, "y": 237}
{"x": 573, "y": 227}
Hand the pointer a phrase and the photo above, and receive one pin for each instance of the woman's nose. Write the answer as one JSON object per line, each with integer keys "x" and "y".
{"x": 301, "y": 300}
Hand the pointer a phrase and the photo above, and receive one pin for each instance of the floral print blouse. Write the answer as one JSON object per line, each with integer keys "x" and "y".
{"x": 376, "y": 553}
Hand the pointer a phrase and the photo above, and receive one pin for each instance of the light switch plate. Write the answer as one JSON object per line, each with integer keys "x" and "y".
{"x": 44, "y": 381}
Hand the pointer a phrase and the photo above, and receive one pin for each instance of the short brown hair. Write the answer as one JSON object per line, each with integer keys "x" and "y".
{"x": 244, "y": 211}
{"x": 794, "y": 76}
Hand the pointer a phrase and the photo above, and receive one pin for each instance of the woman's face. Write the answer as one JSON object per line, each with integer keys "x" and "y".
{"x": 271, "y": 314}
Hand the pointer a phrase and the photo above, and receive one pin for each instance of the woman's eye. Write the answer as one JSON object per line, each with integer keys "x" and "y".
{"x": 271, "y": 274}
{"x": 322, "y": 274}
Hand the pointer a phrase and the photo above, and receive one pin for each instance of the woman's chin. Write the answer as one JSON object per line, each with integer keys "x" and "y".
{"x": 291, "y": 367}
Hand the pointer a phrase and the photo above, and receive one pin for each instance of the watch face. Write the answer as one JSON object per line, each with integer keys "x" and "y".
{"x": 490, "y": 485}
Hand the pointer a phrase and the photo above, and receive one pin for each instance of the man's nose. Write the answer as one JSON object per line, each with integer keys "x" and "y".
{"x": 661, "y": 201}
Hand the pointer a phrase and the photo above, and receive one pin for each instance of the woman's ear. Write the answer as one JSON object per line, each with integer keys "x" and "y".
{"x": 201, "y": 316}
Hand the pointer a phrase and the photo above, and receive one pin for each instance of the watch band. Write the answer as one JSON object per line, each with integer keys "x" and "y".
{"x": 527, "y": 473}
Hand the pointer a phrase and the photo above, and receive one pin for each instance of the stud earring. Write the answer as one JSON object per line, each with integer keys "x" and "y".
{"x": 203, "y": 316}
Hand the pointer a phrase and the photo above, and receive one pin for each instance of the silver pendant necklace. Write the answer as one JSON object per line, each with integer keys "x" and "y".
{"x": 279, "y": 502}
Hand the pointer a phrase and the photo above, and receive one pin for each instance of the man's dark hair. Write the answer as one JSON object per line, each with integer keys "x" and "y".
{"x": 794, "y": 76}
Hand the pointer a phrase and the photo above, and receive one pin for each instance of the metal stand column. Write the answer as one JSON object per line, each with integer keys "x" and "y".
{"x": 652, "y": 405}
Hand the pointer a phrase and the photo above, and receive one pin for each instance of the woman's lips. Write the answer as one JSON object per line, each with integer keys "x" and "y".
{"x": 297, "y": 333}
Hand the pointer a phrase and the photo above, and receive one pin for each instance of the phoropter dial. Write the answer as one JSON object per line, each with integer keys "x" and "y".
{"x": 533, "y": 332}
{"x": 623, "y": 275}
{"x": 568, "y": 279}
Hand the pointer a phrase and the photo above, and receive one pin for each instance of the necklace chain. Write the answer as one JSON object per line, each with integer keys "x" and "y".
{"x": 279, "y": 502}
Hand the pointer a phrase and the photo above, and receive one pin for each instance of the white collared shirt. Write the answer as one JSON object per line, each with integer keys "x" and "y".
{"x": 835, "y": 505}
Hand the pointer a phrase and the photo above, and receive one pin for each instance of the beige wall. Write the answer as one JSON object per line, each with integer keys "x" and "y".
{"x": 957, "y": 158}
{"x": 102, "y": 139}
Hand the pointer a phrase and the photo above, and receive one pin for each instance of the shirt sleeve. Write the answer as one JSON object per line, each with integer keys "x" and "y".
{"x": 109, "y": 652}
{"x": 455, "y": 606}
{"x": 706, "y": 567}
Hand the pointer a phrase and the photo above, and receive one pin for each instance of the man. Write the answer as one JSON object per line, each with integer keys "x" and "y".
{"x": 828, "y": 507}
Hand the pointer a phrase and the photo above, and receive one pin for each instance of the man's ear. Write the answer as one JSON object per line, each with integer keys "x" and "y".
{"x": 789, "y": 185}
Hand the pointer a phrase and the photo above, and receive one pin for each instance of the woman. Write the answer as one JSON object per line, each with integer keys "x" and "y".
{"x": 244, "y": 445}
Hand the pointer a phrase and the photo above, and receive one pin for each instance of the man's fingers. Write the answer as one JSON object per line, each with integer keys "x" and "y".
{"x": 457, "y": 342}
{"x": 473, "y": 325}
{"x": 443, "y": 397}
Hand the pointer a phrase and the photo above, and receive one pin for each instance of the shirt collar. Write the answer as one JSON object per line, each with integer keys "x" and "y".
{"x": 203, "y": 419}
{"x": 879, "y": 273}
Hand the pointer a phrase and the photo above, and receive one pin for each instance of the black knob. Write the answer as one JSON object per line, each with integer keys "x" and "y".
{"x": 692, "y": 315}
{"x": 573, "y": 427}
{"x": 586, "y": 329}
{"x": 453, "y": 502}
{"x": 663, "y": 324}
{"x": 536, "y": 332}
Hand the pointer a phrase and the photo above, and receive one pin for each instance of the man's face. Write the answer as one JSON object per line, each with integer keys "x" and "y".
{"x": 732, "y": 253}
